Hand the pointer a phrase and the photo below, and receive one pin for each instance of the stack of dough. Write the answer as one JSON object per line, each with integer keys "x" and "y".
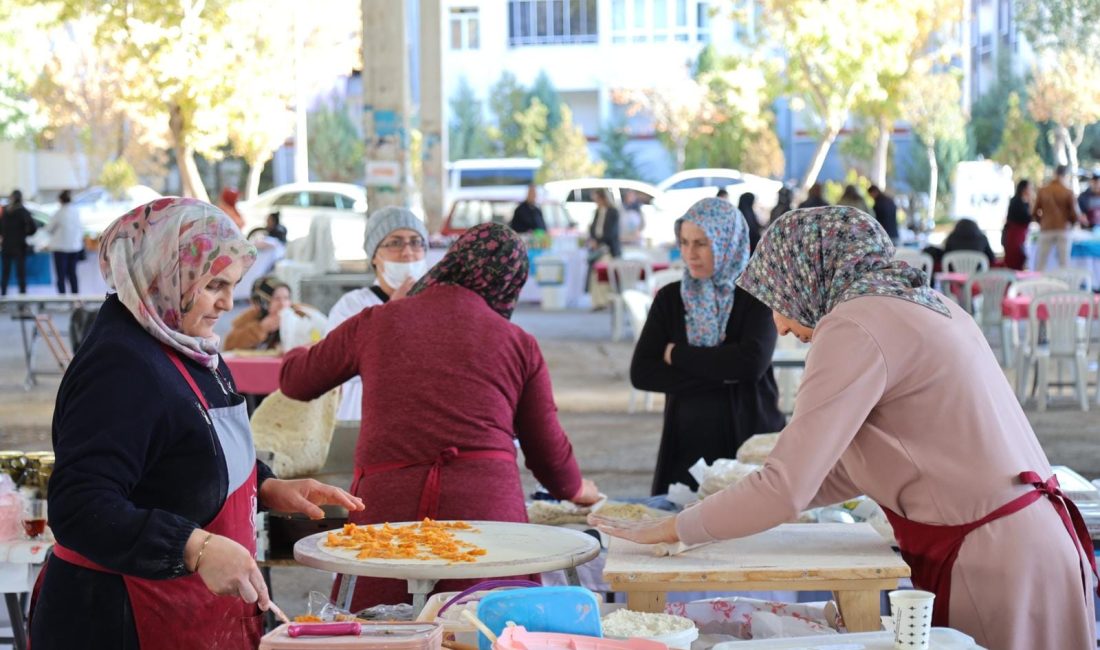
{"x": 756, "y": 449}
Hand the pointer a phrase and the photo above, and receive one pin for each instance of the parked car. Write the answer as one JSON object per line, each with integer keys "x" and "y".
{"x": 298, "y": 204}
{"x": 576, "y": 196}
{"x": 98, "y": 208}
{"x": 469, "y": 212}
{"x": 681, "y": 190}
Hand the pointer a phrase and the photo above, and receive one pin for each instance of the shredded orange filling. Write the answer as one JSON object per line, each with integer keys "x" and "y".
{"x": 426, "y": 540}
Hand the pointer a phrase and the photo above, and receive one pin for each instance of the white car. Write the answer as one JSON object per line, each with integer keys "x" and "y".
{"x": 681, "y": 190}
{"x": 298, "y": 204}
{"x": 576, "y": 196}
{"x": 98, "y": 208}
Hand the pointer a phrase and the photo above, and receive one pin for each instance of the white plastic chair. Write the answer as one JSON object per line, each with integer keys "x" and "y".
{"x": 1067, "y": 338}
{"x": 623, "y": 275}
{"x": 1030, "y": 289}
{"x": 969, "y": 262}
{"x": 917, "y": 260}
{"x": 665, "y": 277}
{"x": 1076, "y": 279}
{"x": 637, "y": 308}
{"x": 988, "y": 312}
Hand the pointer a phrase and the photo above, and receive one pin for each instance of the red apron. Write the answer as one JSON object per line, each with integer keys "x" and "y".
{"x": 181, "y": 613}
{"x": 429, "y": 494}
{"x": 1013, "y": 239}
{"x": 931, "y": 550}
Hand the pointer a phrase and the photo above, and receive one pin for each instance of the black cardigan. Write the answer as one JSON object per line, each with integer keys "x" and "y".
{"x": 138, "y": 469}
{"x": 716, "y": 397}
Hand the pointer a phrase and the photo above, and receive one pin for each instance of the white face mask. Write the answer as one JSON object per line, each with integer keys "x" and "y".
{"x": 394, "y": 273}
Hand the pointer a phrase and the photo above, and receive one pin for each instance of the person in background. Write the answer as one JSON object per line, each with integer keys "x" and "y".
{"x": 1089, "y": 200}
{"x": 396, "y": 244}
{"x": 967, "y": 236}
{"x": 886, "y": 211}
{"x": 156, "y": 487}
{"x": 16, "y": 224}
{"x": 723, "y": 193}
{"x": 528, "y": 215}
{"x": 257, "y": 328}
{"x": 66, "y": 242}
{"x": 275, "y": 229}
{"x": 853, "y": 199}
{"x": 1056, "y": 211}
{"x": 450, "y": 385}
{"x": 746, "y": 205}
{"x": 782, "y": 204}
{"x": 904, "y": 401}
{"x": 708, "y": 346}
{"x": 1017, "y": 221}
{"x": 815, "y": 197}
{"x": 603, "y": 242}
{"x": 633, "y": 221}
{"x": 227, "y": 203}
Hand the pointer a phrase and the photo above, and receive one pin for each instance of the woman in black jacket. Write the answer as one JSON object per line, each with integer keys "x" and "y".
{"x": 707, "y": 345}
{"x": 16, "y": 224}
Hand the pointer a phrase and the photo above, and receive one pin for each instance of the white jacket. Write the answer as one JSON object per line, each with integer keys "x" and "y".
{"x": 66, "y": 231}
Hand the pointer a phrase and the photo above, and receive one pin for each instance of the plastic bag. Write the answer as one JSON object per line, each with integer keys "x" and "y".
{"x": 302, "y": 327}
{"x": 11, "y": 509}
{"x": 321, "y": 609}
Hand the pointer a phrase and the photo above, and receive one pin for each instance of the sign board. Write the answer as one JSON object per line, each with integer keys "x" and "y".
{"x": 383, "y": 173}
{"x": 982, "y": 189}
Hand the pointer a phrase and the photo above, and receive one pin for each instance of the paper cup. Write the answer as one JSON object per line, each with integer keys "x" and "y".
{"x": 912, "y": 612}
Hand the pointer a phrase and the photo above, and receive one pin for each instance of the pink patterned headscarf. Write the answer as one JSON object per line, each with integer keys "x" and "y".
{"x": 160, "y": 255}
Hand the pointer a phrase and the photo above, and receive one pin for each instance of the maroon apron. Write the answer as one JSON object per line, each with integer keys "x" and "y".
{"x": 931, "y": 550}
{"x": 181, "y": 613}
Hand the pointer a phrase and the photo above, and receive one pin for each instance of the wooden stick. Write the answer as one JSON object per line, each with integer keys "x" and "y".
{"x": 472, "y": 618}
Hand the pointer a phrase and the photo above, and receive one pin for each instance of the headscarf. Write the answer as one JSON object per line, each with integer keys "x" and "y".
{"x": 707, "y": 303}
{"x": 813, "y": 259}
{"x": 263, "y": 290}
{"x": 489, "y": 259}
{"x": 158, "y": 256}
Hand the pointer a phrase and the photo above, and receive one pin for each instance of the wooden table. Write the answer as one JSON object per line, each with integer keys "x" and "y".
{"x": 851, "y": 560}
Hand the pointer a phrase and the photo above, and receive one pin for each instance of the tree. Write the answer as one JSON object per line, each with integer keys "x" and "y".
{"x": 933, "y": 109}
{"x": 565, "y": 154}
{"x": 507, "y": 98}
{"x": 467, "y": 130}
{"x": 544, "y": 91}
{"x": 988, "y": 112}
{"x": 21, "y": 59}
{"x": 678, "y": 111}
{"x": 1017, "y": 148}
{"x": 1066, "y": 92}
{"x": 337, "y": 152}
{"x": 618, "y": 160}
{"x": 531, "y": 125}
{"x": 1059, "y": 24}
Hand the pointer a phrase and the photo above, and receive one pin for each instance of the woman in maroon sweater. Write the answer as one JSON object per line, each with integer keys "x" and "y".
{"x": 449, "y": 387}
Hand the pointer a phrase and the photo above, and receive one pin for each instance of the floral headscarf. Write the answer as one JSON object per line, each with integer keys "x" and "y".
{"x": 489, "y": 259}
{"x": 813, "y": 259}
{"x": 159, "y": 255}
{"x": 707, "y": 303}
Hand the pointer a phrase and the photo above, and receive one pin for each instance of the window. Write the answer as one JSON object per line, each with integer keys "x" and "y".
{"x": 465, "y": 28}
{"x": 322, "y": 200}
{"x": 551, "y": 22}
{"x": 496, "y": 177}
{"x": 702, "y": 21}
{"x": 658, "y": 21}
{"x": 297, "y": 199}
{"x": 689, "y": 183}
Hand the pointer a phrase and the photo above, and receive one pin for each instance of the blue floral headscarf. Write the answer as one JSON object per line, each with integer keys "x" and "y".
{"x": 813, "y": 259}
{"x": 707, "y": 303}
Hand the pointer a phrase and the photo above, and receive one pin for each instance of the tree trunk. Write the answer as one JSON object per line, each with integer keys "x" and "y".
{"x": 1071, "y": 156}
{"x": 933, "y": 180}
{"x": 190, "y": 181}
{"x": 1061, "y": 145}
{"x": 255, "y": 169}
{"x": 818, "y": 161}
{"x": 882, "y": 154}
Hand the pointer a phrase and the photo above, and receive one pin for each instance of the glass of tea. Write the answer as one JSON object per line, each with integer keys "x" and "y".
{"x": 34, "y": 517}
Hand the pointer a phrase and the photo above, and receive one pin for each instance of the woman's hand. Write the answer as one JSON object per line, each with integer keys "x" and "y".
{"x": 403, "y": 290}
{"x": 304, "y": 495}
{"x": 226, "y": 567}
{"x": 651, "y": 531}
{"x": 587, "y": 494}
{"x": 270, "y": 323}
{"x": 668, "y": 353}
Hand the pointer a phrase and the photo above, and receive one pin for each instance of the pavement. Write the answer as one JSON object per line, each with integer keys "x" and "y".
{"x": 590, "y": 374}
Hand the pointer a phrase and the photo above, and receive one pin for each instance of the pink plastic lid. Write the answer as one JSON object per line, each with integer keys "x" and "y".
{"x": 518, "y": 638}
{"x": 372, "y": 636}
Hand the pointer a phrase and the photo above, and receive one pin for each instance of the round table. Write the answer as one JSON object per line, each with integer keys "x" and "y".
{"x": 511, "y": 549}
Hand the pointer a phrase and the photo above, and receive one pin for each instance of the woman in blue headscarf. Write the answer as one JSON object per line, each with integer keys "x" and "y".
{"x": 707, "y": 344}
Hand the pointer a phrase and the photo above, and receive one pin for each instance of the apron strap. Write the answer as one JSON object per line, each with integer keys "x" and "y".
{"x": 1070, "y": 515}
{"x": 175, "y": 359}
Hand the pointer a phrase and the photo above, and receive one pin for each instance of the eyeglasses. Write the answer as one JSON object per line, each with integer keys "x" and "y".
{"x": 416, "y": 244}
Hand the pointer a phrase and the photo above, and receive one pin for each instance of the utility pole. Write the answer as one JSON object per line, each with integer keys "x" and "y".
{"x": 386, "y": 103}
{"x": 301, "y": 137}
{"x": 434, "y": 148}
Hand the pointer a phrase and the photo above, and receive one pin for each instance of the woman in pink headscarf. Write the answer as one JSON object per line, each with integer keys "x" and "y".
{"x": 156, "y": 483}
{"x": 228, "y": 204}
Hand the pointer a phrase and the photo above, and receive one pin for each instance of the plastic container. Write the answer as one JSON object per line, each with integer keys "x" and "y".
{"x": 446, "y": 608}
{"x": 942, "y": 638}
{"x": 566, "y": 610}
{"x": 681, "y": 640}
{"x": 374, "y": 636}
{"x": 518, "y": 638}
{"x": 550, "y": 277}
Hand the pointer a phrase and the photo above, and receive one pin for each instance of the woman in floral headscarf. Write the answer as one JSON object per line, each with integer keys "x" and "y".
{"x": 449, "y": 387}
{"x": 904, "y": 401}
{"x": 156, "y": 483}
{"x": 708, "y": 346}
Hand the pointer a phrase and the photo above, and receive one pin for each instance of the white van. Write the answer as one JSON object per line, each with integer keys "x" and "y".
{"x": 481, "y": 178}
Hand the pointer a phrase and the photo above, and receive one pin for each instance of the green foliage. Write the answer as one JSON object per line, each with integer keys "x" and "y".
{"x": 117, "y": 177}
{"x": 1017, "y": 149}
{"x": 707, "y": 61}
{"x": 544, "y": 91}
{"x": 507, "y": 98}
{"x": 467, "y": 130}
{"x": 565, "y": 155}
{"x": 832, "y": 190}
{"x": 619, "y": 162}
{"x": 948, "y": 154}
{"x": 336, "y": 150}
{"x": 1059, "y": 24}
{"x": 533, "y": 130}
{"x": 988, "y": 112}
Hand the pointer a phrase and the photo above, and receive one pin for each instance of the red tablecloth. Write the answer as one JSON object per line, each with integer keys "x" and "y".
{"x": 1017, "y": 308}
{"x": 601, "y": 269}
{"x": 953, "y": 282}
{"x": 255, "y": 375}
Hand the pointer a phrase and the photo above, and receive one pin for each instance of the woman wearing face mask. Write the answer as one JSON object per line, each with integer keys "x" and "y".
{"x": 450, "y": 385}
{"x": 156, "y": 483}
{"x": 708, "y": 346}
{"x": 396, "y": 244}
{"x": 904, "y": 401}
{"x": 257, "y": 328}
